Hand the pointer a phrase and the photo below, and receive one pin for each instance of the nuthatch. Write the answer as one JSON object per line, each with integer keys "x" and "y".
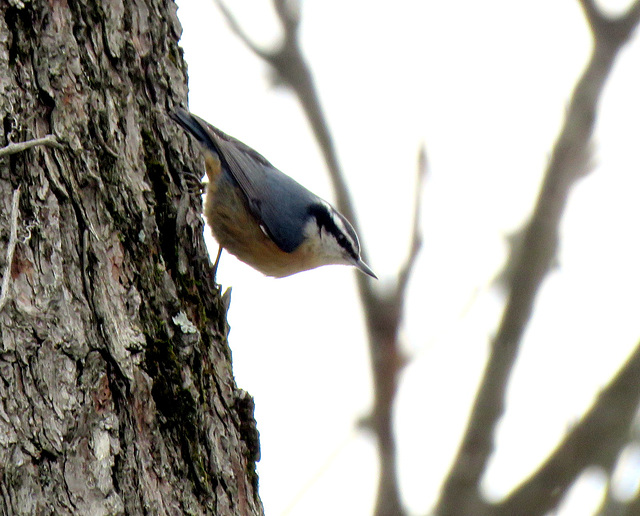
{"x": 264, "y": 217}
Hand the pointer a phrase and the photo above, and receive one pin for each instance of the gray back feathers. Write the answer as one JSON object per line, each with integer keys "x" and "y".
{"x": 280, "y": 204}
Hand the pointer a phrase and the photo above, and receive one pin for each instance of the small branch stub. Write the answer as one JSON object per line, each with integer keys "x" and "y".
{"x": 13, "y": 148}
{"x": 11, "y": 247}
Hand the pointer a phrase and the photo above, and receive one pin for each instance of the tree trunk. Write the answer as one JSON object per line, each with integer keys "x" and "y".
{"x": 116, "y": 389}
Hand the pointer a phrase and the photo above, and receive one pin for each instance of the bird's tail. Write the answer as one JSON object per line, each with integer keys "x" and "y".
{"x": 206, "y": 136}
{"x": 195, "y": 126}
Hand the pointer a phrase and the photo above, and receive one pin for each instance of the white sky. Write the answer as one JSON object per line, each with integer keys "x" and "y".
{"x": 485, "y": 86}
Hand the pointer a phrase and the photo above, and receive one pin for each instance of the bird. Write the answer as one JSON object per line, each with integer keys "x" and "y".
{"x": 264, "y": 217}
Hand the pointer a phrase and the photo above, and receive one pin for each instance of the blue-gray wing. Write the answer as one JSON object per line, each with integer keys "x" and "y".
{"x": 280, "y": 204}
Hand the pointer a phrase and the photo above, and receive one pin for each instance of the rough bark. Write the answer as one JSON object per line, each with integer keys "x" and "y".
{"x": 116, "y": 389}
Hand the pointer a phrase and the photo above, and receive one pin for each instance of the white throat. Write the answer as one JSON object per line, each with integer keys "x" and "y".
{"x": 323, "y": 245}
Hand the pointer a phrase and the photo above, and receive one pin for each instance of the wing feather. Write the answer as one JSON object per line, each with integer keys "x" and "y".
{"x": 280, "y": 204}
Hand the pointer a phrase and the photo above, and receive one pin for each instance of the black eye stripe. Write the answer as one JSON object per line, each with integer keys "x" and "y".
{"x": 325, "y": 220}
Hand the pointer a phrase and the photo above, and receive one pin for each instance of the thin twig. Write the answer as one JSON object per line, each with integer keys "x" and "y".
{"x": 239, "y": 32}
{"x": 288, "y": 14}
{"x": 49, "y": 141}
{"x": 416, "y": 235}
{"x": 593, "y": 14}
{"x": 11, "y": 247}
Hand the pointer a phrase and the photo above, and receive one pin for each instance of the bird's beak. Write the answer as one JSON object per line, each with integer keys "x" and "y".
{"x": 365, "y": 268}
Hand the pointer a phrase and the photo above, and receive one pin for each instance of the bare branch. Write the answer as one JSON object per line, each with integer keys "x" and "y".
{"x": 596, "y": 440}
{"x": 13, "y": 148}
{"x": 632, "y": 16}
{"x": 383, "y": 310}
{"x": 288, "y": 13}
{"x": 593, "y": 14}
{"x": 633, "y": 506}
{"x": 11, "y": 247}
{"x": 569, "y": 161}
{"x": 615, "y": 30}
